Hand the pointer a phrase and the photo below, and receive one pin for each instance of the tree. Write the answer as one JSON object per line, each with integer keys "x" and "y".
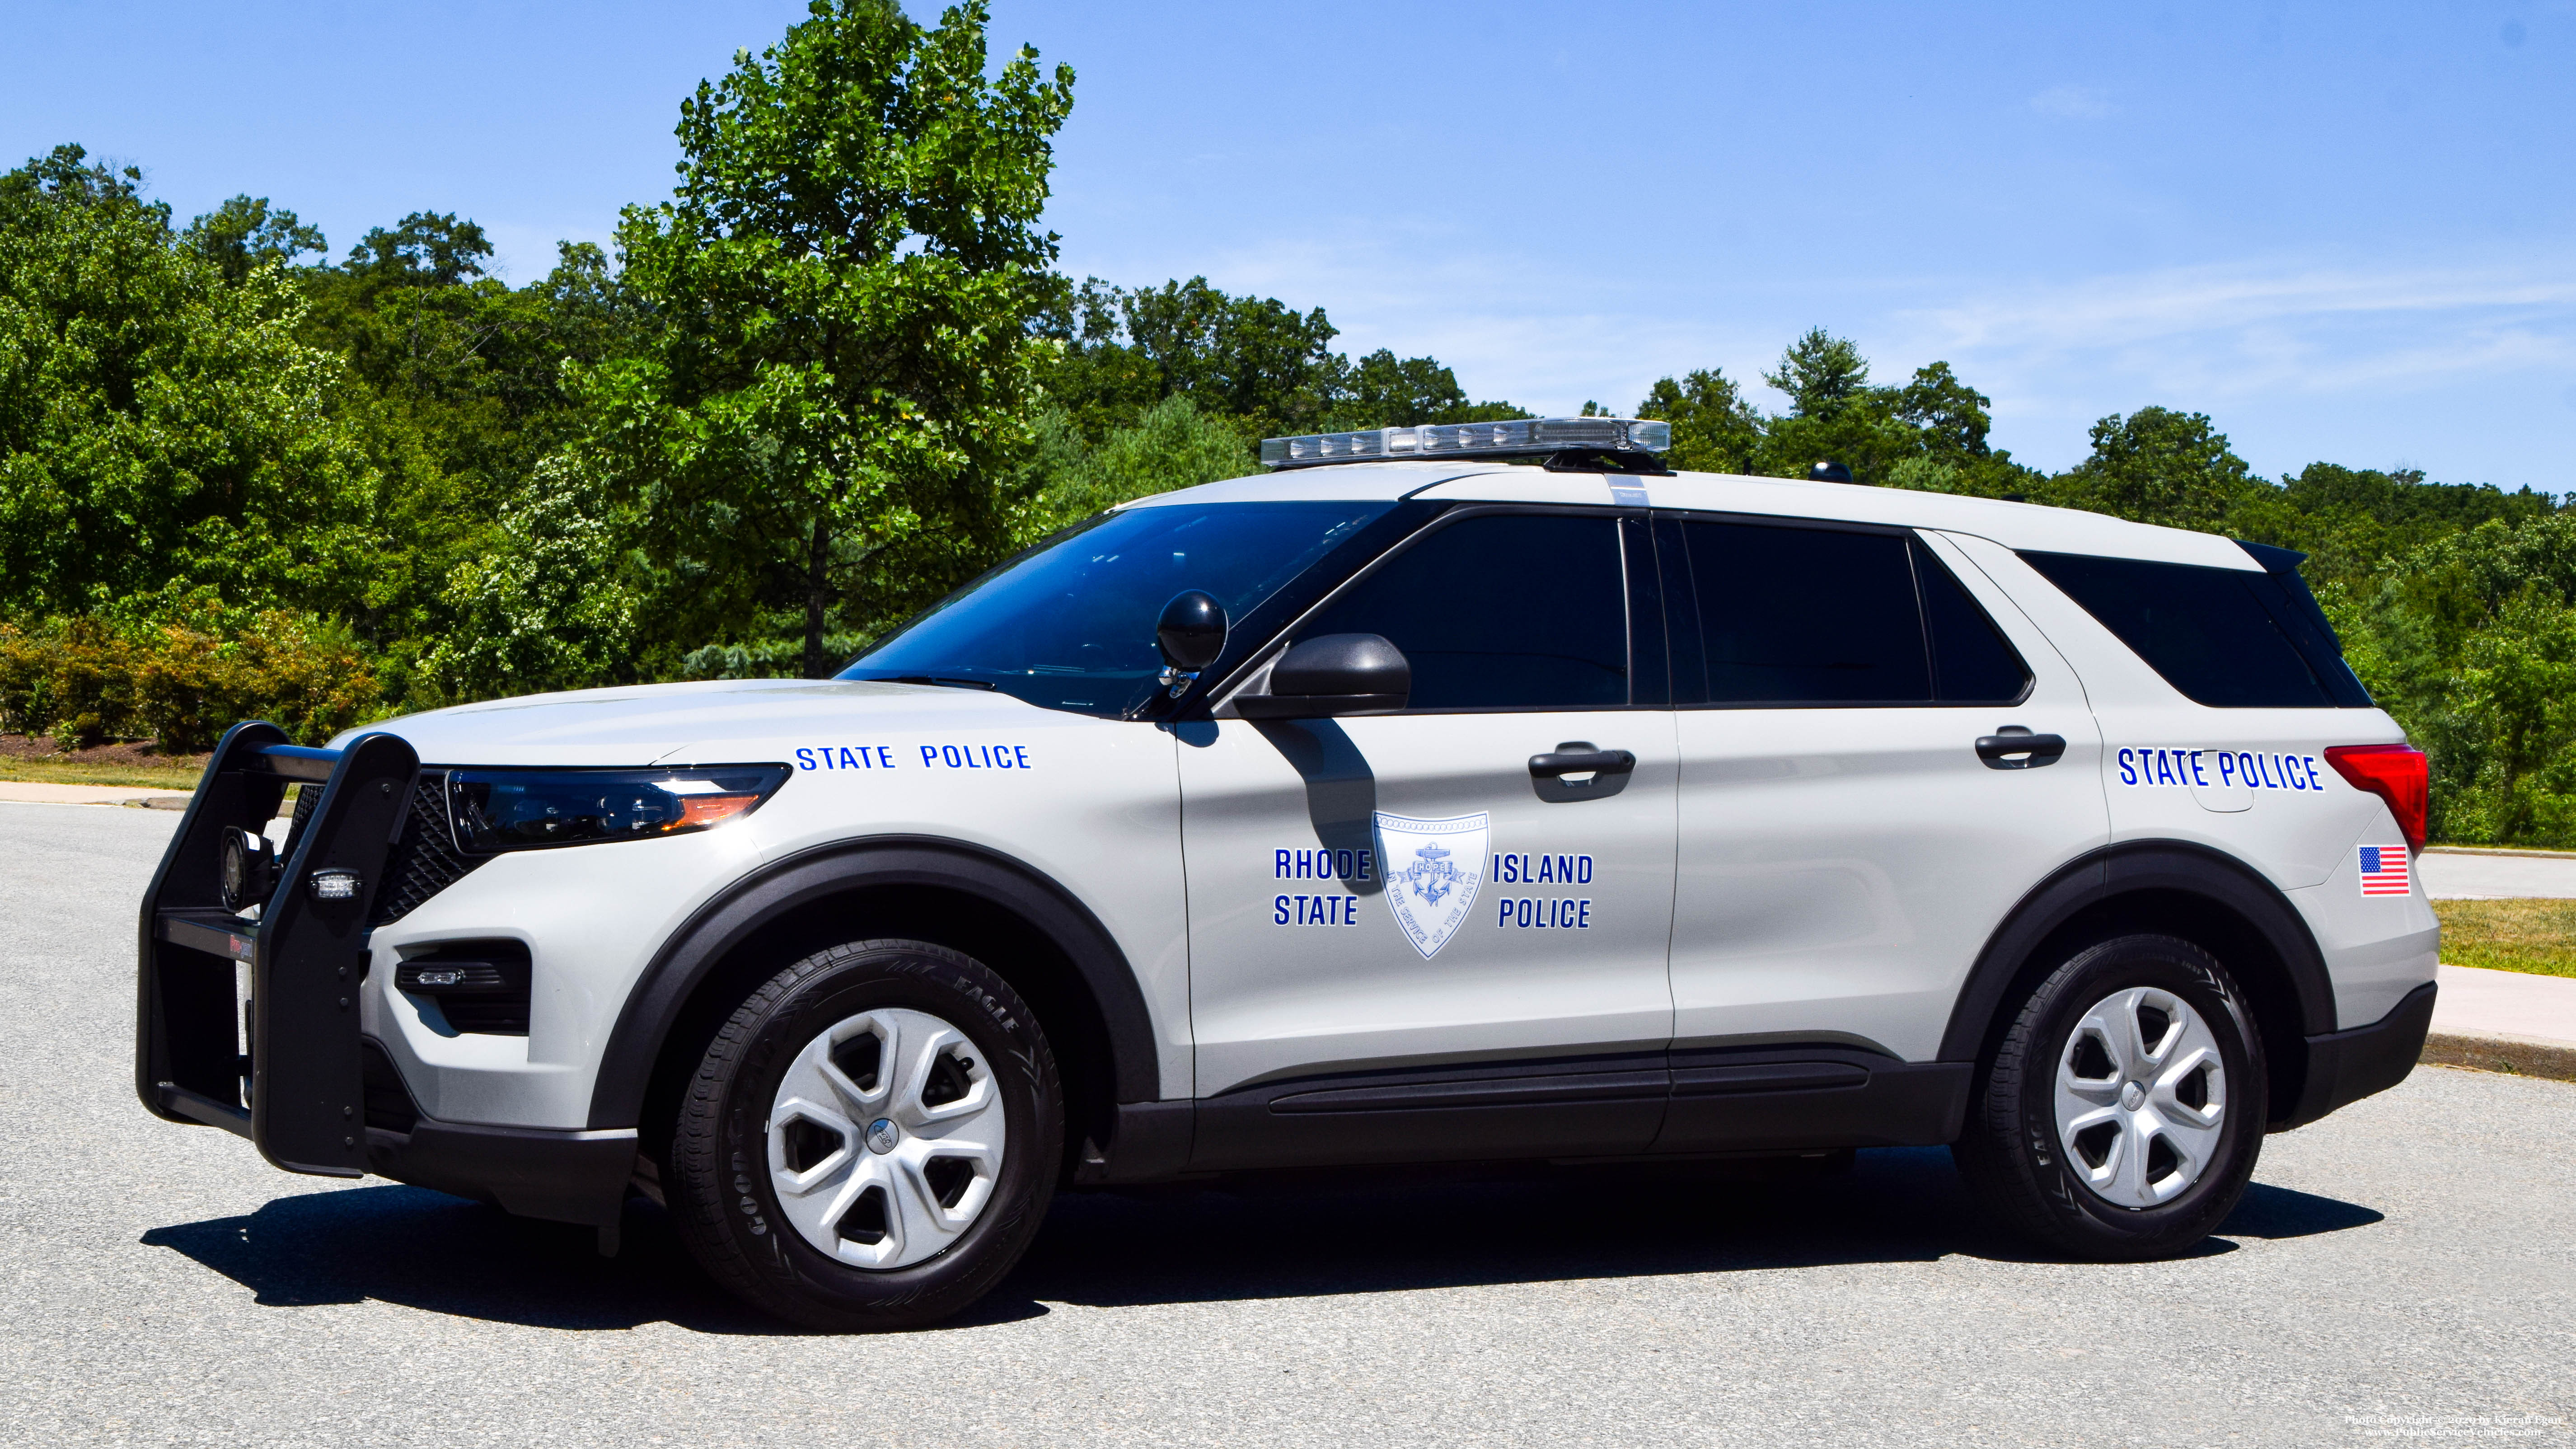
{"x": 1821, "y": 373}
{"x": 840, "y": 359}
{"x": 1714, "y": 429}
{"x": 1948, "y": 416}
{"x": 555, "y": 605}
{"x": 1256, "y": 362}
{"x": 1833, "y": 414}
{"x": 159, "y": 424}
{"x": 2161, "y": 466}
{"x": 243, "y": 234}
{"x": 1172, "y": 446}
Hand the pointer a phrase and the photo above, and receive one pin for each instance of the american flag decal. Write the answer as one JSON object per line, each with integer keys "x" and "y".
{"x": 2383, "y": 870}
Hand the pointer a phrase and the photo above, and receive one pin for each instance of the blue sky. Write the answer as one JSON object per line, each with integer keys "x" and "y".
{"x": 2345, "y": 231}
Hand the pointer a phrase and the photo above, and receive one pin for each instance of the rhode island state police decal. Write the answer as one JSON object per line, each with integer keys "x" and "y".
{"x": 1432, "y": 869}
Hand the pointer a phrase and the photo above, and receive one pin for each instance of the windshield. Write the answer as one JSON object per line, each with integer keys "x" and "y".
{"x": 1070, "y": 623}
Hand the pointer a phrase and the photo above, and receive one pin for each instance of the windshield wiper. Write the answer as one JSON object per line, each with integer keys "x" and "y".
{"x": 941, "y": 681}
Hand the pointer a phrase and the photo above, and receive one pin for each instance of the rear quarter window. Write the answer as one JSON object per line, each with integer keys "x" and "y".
{"x": 2211, "y": 632}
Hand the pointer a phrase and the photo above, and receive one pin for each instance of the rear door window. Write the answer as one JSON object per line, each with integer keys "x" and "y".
{"x": 1972, "y": 663}
{"x": 1793, "y": 616}
{"x": 2208, "y": 631}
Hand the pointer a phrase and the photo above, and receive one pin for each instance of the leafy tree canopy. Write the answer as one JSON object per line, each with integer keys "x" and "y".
{"x": 840, "y": 362}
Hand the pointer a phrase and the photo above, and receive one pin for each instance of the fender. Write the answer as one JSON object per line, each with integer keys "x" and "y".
{"x": 677, "y": 969}
{"x": 2118, "y": 870}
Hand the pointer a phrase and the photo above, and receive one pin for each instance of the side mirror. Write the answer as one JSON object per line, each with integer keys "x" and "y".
{"x": 1331, "y": 675}
{"x": 1191, "y": 634}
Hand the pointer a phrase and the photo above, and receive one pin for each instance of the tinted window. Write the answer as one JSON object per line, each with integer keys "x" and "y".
{"x": 1971, "y": 661}
{"x": 2206, "y": 630}
{"x": 2295, "y": 610}
{"x": 1503, "y": 611}
{"x": 1807, "y": 616}
{"x": 1070, "y": 623}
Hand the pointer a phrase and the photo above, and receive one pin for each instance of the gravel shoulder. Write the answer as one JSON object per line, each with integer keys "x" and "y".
{"x": 2406, "y": 1264}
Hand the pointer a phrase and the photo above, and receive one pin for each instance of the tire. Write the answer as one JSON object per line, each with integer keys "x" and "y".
{"x": 919, "y": 1128}
{"x": 2105, "y": 1149}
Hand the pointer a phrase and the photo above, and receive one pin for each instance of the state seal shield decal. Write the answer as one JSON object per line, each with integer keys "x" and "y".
{"x": 1432, "y": 869}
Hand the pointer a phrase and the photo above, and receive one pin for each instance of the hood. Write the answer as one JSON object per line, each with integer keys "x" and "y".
{"x": 647, "y": 724}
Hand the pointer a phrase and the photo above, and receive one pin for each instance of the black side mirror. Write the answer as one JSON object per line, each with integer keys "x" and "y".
{"x": 1332, "y": 675}
{"x": 1191, "y": 635}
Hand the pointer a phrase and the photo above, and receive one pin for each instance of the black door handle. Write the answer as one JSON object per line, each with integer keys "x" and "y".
{"x": 2013, "y": 740}
{"x": 1610, "y": 771}
{"x": 1562, "y": 762}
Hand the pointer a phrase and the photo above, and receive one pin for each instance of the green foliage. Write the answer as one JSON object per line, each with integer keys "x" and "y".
{"x": 1173, "y": 445}
{"x": 839, "y": 364}
{"x": 1714, "y": 429}
{"x": 182, "y": 680}
{"x": 1266, "y": 368}
{"x": 1928, "y": 434}
{"x": 555, "y": 604}
{"x": 2159, "y": 466}
{"x": 153, "y": 415}
{"x": 243, "y": 235}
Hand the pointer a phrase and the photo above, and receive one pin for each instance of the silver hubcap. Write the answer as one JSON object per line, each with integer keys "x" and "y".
{"x": 885, "y": 1138}
{"x": 2141, "y": 1097}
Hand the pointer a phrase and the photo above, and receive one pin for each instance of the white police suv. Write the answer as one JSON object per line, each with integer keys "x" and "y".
{"x": 1407, "y": 804}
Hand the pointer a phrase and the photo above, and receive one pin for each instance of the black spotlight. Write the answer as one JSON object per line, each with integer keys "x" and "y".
{"x": 1828, "y": 471}
{"x": 248, "y": 869}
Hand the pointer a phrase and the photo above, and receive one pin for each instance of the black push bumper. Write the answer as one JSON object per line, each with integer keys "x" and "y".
{"x": 297, "y": 1092}
{"x": 301, "y": 1092}
{"x": 2346, "y": 1066}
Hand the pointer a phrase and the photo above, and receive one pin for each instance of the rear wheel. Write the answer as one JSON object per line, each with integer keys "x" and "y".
{"x": 871, "y": 1140}
{"x": 2120, "y": 1116}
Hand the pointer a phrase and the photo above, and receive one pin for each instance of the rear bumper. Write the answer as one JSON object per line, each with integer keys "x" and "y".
{"x": 2346, "y": 1066}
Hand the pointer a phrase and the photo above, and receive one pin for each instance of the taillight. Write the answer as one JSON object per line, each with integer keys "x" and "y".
{"x": 2397, "y": 774}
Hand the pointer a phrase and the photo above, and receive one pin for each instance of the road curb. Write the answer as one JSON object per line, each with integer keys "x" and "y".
{"x": 2523, "y": 1056}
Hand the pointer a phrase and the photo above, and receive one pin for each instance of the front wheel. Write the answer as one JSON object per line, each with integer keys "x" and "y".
{"x": 2120, "y": 1117}
{"x": 871, "y": 1140}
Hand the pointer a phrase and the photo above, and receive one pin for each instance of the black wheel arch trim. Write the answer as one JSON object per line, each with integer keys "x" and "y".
{"x": 662, "y": 993}
{"x": 2121, "y": 869}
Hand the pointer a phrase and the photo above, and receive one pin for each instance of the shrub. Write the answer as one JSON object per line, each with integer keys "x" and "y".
{"x": 182, "y": 681}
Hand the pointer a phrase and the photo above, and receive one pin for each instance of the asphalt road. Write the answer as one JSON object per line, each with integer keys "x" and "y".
{"x": 2405, "y": 1265}
{"x": 2457, "y": 875}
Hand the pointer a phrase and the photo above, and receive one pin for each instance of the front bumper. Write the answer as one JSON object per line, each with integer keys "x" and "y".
{"x": 288, "y": 1073}
{"x": 2346, "y": 1066}
{"x": 293, "y": 1072}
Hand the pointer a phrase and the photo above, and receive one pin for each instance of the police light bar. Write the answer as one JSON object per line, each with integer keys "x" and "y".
{"x": 1453, "y": 440}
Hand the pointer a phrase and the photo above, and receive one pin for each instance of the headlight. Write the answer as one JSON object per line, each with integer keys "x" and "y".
{"x": 495, "y": 810}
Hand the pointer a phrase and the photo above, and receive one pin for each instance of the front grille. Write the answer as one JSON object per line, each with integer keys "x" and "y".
{"x": 424, "y": 861}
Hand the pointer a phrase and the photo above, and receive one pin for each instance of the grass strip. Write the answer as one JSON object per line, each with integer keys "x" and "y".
{"x": 2536, "y": 936}
{"x": 180, "y": 778}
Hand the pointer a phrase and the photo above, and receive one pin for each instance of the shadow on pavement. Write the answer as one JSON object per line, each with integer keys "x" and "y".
{"x": 2282, "y": 1212}
{"x": 1274, "y": 1238}
{"x": 427, "y": 1250}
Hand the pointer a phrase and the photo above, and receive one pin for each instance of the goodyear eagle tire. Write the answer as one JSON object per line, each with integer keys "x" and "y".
{"x": 872, "y": 1139}
{"x": 2120, "y": 1116}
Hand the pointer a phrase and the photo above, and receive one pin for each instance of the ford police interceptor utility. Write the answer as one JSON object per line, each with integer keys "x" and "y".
{"x": 1406, "y": 804}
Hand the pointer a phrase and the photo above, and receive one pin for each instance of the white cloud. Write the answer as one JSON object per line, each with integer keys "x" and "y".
{"x": 2073, "y": 103}
{"x": 2220, "y": 332}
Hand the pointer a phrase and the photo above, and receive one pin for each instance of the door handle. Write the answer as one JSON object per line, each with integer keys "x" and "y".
{"x": 1580, "y": 759}
{"x": 2034, "y": 750}
{"x": 1610, "y": 771}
